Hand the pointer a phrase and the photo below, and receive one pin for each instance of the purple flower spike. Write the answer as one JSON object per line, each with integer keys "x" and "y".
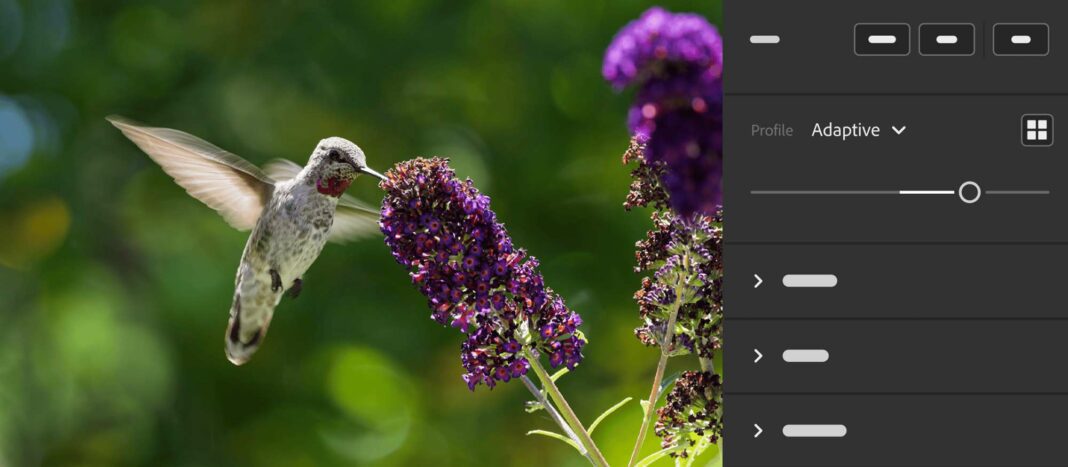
{"x": 676, "y": 62}
{"x": 702, "y": 240}
{"x": 691, "y": 412}
{"x": 458, "y": 255}
{"x": 659, "y": 38}
{"x": 691, "y": 147}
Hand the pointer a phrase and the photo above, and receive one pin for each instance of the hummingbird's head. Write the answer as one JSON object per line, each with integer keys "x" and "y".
{"x": 335, "y": 163}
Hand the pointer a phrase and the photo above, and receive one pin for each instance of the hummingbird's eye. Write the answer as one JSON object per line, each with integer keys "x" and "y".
{"x": 335, "y": 155}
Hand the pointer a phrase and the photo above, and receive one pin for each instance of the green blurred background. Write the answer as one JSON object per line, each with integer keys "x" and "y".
{"x": 115, "y": 284}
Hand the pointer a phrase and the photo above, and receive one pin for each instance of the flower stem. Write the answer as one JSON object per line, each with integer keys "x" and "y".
{"x": 585, "y": 441}
{"x": 708, "y": 365}
{"x": 665, "y": 353}
{"x": 555, "y": 415}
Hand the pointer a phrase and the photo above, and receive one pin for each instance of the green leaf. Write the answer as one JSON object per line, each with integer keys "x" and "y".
{"x": 559, "y": 374}
{"x": 533, "y": 406}
{"x": 717, "y": 461}
{"x": 656, "y": 456}
{"x": 555, "y": 435}
{"x": 607, "y": 413}
{"x": 668, "y": 382}
{"x": 578, "y": 333}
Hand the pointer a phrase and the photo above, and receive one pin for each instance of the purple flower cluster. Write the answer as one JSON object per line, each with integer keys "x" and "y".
{"x": 676, "y": 61}
{"x": 444, "y": 232}
{"x": 687, "y": 259}
{"x": 645, "y": 186}
{"x": 660, "y": 37}
{"x": 691, "y": 418}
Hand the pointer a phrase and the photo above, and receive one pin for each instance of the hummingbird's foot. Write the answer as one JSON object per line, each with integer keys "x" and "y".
{"x": 294, "y": 291}
{"x": 276, "y": 281}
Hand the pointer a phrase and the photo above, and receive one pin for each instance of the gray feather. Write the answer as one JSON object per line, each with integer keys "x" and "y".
{"x": 225, "y": 182}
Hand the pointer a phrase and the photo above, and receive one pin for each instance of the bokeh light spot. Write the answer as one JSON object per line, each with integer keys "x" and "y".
{"x": 373, "y": 391}
{"x": 16, "y": 136}
{"x": 34, "y": 232}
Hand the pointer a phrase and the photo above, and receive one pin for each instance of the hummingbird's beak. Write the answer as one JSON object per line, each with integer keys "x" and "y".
{"x": 368, "y": 171}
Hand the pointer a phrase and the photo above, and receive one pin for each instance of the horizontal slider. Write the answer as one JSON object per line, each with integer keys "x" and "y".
{"x": 927, "y": 192}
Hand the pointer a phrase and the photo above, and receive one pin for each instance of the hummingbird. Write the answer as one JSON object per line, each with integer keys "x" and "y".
{"x": 291, "y": 210}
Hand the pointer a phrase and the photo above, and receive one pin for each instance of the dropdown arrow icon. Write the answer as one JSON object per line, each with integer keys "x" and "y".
{"x": 758, "y": 355}
{"x": 898, "y": 130}
{"x": 758, "y": 430}
{"x": 758, "y": 282}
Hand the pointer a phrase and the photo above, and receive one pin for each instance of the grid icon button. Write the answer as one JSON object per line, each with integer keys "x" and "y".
{"x": 1036, "y": 130}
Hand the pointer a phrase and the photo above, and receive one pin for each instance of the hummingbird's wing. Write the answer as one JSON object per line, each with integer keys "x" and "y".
{"x": 281, "y": 170}
{"x": 353, "y": 220}
{"x": 219, "y": 179}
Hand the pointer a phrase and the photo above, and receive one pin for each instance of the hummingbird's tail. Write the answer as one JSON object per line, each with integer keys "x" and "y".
{"x": 247, "y": 328}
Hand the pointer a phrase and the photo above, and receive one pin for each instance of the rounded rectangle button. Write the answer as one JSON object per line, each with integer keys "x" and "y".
{"x": 947, "y": 39}
{"x": 881, "y": 39}
{"x": 1021, "y": 39}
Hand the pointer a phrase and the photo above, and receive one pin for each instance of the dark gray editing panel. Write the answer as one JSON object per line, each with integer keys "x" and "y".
{"x": 896, "y": 233}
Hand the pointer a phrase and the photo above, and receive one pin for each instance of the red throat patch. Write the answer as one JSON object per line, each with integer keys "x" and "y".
{"x": 332, "y": 186}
